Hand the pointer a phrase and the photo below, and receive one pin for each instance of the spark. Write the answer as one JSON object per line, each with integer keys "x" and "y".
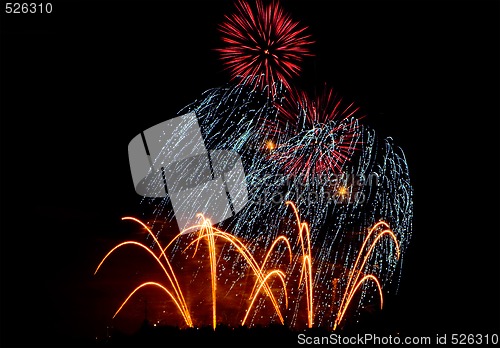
{"x": 343, "y": 190}
{"x": 270, "y": 145}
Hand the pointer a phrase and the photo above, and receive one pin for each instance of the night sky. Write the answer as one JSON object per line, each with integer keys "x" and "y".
{"x": 78, "y": 84}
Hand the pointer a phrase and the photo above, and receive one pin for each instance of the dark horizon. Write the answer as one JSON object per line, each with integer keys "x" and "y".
{"x": 78, "y": 84}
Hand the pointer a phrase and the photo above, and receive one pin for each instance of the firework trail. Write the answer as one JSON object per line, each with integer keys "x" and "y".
{"x": 264, "y": 43}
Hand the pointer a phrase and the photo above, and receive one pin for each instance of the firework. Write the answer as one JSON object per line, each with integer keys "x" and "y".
{"x": 372, "y": 185}
{"x": 351, "y": 187}
{"x": 263, "y": 43}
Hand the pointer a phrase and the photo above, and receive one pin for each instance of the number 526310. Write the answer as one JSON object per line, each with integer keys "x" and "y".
{"x": 27, "y": 7}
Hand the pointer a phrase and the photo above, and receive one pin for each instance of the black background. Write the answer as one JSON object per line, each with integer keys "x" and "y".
{"x": 80, "y": 83}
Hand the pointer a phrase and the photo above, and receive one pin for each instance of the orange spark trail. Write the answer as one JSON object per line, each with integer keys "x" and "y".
{"x": 353, "y": 284}
{"x": 306, "y": 271}
{"x": 271, "y": 248}
{"x": 184, "y": 310}
{"x": 173, "y": 278}
{"x": 243, "y": 250}
{"x": 340, "y": 316}
{"x": 277, "y": 272}
{"x": 207, "y": 225}
{"x": 148, "y": 284}
{"x": 370, "y": 232}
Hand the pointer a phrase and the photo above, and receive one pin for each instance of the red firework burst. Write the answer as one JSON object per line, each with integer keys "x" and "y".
{"x": 263, "y": 46}
{"x": 316, "y": 136}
